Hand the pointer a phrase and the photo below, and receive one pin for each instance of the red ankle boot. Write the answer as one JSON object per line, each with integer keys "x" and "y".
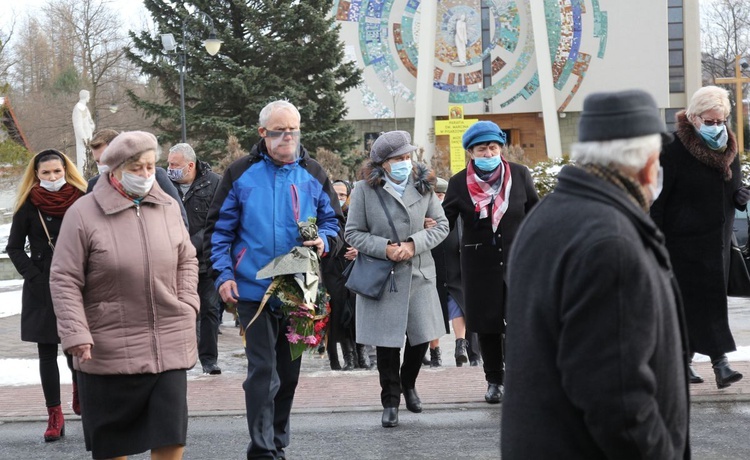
{"x": 76, "y": 402}
{"x": 55, "y": 424}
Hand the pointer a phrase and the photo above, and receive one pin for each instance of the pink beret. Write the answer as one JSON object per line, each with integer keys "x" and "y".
{"x": 126, "y": 145}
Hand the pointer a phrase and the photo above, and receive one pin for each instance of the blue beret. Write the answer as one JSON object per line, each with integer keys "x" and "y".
{"x": 483, "y": 131}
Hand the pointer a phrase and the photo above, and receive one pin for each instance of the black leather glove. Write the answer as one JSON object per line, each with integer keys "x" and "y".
{"x": 742, "y": 196}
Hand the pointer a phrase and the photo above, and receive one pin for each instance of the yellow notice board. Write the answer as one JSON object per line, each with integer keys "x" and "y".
{"x": 455, "y": 128}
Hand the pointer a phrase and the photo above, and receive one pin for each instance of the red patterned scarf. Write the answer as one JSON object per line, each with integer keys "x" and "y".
{"x": 488, "y": 198}
{"x": 54, "y": 203}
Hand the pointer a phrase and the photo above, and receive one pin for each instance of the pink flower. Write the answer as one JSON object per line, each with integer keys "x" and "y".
{"x": 293, "y": 337}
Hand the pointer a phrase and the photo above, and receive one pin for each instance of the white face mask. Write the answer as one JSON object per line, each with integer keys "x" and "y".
{"x": 52, "y": 186}
{"x": 137, "y": 185}
{"x": 656, "y": 188}
{"x": 103, "y": 169}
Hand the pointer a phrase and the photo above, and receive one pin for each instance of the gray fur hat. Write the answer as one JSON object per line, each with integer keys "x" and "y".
{"x": 127, "y": 145}
{"x": 391, "y": 144}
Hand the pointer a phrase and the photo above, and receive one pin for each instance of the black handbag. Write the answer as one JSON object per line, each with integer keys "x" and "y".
{"x": 739, "y": 277}
{"x": 368, "y": 275}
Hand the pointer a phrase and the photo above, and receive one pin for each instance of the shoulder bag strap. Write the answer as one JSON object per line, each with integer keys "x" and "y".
{"x": 387, "y": 214}
{"x": 49, "y": 240}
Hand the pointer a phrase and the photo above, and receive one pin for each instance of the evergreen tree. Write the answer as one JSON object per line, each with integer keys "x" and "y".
{"x": 272, "y": 49}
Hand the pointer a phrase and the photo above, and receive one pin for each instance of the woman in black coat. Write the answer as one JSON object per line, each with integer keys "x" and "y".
{"x": 341, "y": 326}
{"x": 492, "y": 196}
{"x": 50, "y": 185}
{"x": 695, "y": 210}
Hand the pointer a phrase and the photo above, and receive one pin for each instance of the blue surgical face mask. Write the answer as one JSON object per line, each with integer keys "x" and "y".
{"x": 487, "y": 164}
{"x": 714, "y": 136}
{"x": 342, "y": 203}
{"x": 400, "y": 170}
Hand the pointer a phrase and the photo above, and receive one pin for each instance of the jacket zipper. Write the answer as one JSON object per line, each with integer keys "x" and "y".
{"x": 149, "y": 289}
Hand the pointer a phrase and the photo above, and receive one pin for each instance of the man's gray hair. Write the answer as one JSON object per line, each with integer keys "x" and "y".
{"x": 268, "y": 110}
{"x": 186, "y": 150}
{"x": 630, "y": 154}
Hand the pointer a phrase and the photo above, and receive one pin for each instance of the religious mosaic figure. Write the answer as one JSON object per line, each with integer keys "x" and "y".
{"x": 461, "y": 41}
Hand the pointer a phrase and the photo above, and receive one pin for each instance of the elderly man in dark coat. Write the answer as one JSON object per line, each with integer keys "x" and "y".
{"x": 596, "y": 346}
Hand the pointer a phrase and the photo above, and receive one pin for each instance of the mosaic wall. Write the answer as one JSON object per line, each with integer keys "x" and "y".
{"x": 385, "y": 36}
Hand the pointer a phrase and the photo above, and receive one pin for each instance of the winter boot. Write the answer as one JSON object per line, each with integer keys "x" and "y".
{"x": 435, "y": 360}
{"x": 350, "y": 360}
{"x": 725, "y": 375}
{"x": 76, "y": 401}
{"x": 363, "y": 359}
{"x": 333, "y": 356}
{"x": 55, "y": 424}
{"x": 462, "y": 352}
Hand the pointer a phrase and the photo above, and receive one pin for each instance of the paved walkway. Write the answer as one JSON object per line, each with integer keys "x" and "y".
{"x": 319, "y": 390}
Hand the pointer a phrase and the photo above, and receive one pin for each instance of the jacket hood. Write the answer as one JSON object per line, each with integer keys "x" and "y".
{"x": 424, "y": 179}
{"x": 202, "y": 168}
{"x": 575, "y": 181}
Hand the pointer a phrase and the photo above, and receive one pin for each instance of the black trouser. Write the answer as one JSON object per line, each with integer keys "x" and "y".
{"x": 207, "y": 326}
{"x": 272, "y": 378}
{"x": 474, "y": 348}
{"x": 391, "y": 380}
{"x": 50, "y": 374}
{"x": 493, "y": 357}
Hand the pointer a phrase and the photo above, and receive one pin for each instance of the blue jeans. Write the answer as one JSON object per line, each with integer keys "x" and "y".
{"x": 271, "y": 381}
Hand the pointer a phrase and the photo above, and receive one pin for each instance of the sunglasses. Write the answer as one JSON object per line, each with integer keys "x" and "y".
{"x": 712, "y": 122}
{"x": 274, "y": 134}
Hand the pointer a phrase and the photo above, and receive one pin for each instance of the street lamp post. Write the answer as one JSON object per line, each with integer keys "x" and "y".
{"x": 739, "y": 65}
{"x": 212, "y": 45}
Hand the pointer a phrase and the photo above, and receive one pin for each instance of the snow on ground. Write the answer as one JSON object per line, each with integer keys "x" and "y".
{"x": 10, "y": 301}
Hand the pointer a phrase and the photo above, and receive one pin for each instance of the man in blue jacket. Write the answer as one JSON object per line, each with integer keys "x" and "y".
{"x": 253, "y": 219}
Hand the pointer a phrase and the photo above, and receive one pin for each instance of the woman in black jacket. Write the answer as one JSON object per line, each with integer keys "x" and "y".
{"x": 50, "y": 185}
{"x": 492, "y": 196}
{"x": 341, "y": 327}
{"x": 695, "y": 210}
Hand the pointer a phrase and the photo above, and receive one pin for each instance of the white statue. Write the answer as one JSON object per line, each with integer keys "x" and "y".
{"x": 83, "y": 125}
{"x": 461, "y": 41}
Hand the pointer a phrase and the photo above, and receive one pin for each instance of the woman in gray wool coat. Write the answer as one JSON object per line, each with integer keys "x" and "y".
{"x": 413, "y": 307}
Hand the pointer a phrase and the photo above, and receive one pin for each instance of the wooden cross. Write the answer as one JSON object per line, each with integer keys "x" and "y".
{"x": 738, "y": 80}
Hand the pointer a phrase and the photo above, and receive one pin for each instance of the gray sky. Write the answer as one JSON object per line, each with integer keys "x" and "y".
{"x": 132, "y": 11}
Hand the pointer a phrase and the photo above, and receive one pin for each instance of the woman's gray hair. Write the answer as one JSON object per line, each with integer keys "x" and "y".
{"x": 268, "y": 110}
{"x": 708, "y": 98}
{"x": 630, "y": 154}
{"x": 186, "y": 150}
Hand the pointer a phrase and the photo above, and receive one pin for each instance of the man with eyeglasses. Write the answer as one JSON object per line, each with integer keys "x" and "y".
{"x": 253, "y": 219}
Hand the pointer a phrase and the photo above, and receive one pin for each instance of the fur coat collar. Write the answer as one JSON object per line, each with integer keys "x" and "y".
{"x": 721, "y": 160}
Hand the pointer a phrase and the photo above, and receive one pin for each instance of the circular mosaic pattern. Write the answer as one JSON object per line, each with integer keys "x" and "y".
{"x": 498, "y": 52}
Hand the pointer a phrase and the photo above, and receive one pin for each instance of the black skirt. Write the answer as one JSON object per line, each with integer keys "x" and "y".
{"x": 130, "y": 414}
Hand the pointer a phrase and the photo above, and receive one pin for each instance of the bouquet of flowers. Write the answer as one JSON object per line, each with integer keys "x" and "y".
{"x": 306, "y": 321}
{"x": 296, "y": 292}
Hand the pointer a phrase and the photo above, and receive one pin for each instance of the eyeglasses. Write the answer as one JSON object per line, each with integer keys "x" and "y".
{"x": 275, "y": 134}
{"x": 712, "y": 122}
